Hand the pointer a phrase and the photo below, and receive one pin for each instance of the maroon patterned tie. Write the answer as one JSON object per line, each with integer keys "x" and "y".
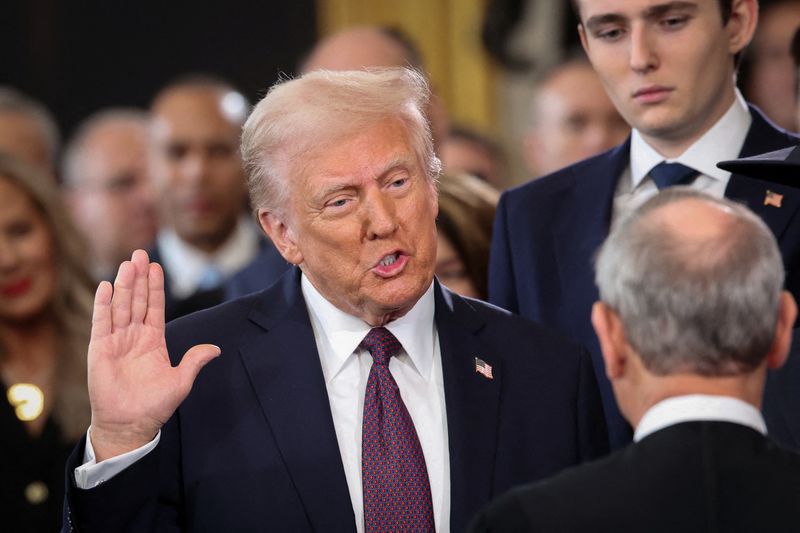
{"x": 397, "y": 493}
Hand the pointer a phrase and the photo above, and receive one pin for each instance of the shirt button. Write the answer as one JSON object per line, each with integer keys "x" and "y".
{"x": 36, "y": 493}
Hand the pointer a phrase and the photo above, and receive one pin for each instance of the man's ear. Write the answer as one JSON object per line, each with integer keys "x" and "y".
{"x": 613, "y": 342}
{"x": 281, "y": 235}
{"x": 782, "y": 342}
{"x": 742, "y": 24}
{"x": 584, "y": 41}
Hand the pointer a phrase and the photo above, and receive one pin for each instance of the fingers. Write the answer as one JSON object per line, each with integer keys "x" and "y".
{"x": 195, "y": 359}
{"x": 121, "y": 300}
{"x": 101, "y": 315}
{"x": 155, "y": 297}
{"x": 139, "y": 295}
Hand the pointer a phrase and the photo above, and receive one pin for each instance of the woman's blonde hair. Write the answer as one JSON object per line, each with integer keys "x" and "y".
{"x": 71, "y": 305}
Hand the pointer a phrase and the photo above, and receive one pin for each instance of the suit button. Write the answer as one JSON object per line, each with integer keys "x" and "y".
{"x": 36, "y": 493}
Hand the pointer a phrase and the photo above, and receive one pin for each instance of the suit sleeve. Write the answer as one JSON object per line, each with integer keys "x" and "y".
{"x": 142, "y": 498}
{"x": 592, "y": 430}
{"x": 502, "y": 289}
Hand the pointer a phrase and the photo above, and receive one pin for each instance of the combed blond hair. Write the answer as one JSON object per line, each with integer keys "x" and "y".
{"x": 300, "y": 116}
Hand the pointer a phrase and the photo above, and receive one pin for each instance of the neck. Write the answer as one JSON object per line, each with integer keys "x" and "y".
{"x": 746, "y": 387}
{"x": 671, "y": 144}
{"x": 27, "y": 347}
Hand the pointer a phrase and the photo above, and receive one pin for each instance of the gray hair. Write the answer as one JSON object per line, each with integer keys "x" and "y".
{"x": 14, "y": 101}
{"x": 707, "y": 306}
{"x": 298, "y": 116}
{"x": 73, "y": 160}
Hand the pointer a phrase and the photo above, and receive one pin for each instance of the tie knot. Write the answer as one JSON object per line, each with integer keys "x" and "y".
{"x": 382, "y": 345}
{"x": 668, "y": 174}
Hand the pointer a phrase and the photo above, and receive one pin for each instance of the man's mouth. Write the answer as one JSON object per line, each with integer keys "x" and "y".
{"x": 388, "y": 260}
{"x": 390, "y": 265}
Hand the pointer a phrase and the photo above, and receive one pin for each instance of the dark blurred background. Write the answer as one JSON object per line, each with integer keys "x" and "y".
{"x": 80, "y": 55}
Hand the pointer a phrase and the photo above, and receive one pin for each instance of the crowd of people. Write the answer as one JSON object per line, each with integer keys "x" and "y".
{"x": 328, "y": 311}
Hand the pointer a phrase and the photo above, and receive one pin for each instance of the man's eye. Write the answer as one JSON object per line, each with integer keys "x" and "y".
{"x": 338, "y": 203}
{"x": 399, "y": 182}
{"x": 674, "y": 22}
{"x": 611, "y": 34}
{"x": 176, "y": 151}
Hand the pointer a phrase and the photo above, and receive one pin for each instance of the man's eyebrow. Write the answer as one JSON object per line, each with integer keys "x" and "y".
{"x": 660, "y": 10}
{"x": 651, "y": 12}
{"x": 607, "y": 18}
{"x": 397, "y": 162}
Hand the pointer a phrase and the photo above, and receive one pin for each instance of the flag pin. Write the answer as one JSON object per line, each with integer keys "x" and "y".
{"x": 772, "y": 198}
{"x": 483, "y": 368}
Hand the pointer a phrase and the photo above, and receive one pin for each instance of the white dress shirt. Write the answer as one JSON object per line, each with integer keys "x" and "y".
{"x": 696, "y": 407}
{"x": 345, "y": 366}
{"x": 186, "y": 265}
{"x": 722, "y": 142}
{"x": 418, "y": 373}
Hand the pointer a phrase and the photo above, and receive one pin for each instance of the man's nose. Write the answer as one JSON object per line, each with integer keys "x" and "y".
{"x": 195, "y": 166}
{"x": 642, "y": 53}
{"x": 381, "y": 215}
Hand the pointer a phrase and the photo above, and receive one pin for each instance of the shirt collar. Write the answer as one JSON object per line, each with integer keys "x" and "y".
{"x": 344, "y": 332}
{"x": 695, "y": 407}
{"x": 722, "y": 142}
{"x": 189, "y": 263}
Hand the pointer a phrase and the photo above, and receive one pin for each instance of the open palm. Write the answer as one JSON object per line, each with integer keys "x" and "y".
{"x": 132, "y": 385}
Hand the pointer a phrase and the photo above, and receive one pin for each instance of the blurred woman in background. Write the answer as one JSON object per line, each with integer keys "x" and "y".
{"x": 45, "y": 320}
{"x": 466, "y": 216}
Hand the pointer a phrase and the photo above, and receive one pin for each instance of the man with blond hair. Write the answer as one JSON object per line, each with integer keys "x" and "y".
{"x": 355, "y": 394}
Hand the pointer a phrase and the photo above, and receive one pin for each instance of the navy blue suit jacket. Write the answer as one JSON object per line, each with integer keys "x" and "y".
{"x": 547, "y": 232}
{"x": 263, "y": 271}
{"x": 253, "y": 446}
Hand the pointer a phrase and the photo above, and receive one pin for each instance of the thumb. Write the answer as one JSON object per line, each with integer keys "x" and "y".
{"x": 193, "y": 360}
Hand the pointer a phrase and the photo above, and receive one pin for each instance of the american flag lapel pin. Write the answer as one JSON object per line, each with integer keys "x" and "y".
{"x": 774, "y": 199}
{"x": 483, "y": 368}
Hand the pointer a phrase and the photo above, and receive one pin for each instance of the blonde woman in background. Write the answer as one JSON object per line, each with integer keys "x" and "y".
{"x": 45, "y": 319}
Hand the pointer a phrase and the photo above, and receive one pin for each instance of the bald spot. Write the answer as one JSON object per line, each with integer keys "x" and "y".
{"x": 356, "y": 49}
{"x": 192, "y": 101}
{"x": 704, "y": 232}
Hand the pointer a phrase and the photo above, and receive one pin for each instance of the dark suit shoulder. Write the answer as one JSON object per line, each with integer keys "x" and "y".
{"x": 665, "y": 483}
{"x": 558, "y": 181}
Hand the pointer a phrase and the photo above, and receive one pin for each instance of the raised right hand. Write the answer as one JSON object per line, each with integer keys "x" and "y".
{"x": 133, "y": 388}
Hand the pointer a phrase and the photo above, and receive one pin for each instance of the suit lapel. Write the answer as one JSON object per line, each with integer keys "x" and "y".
{"x": 580, "y": 230}
{"x": 472, "y": 402}
{"x": 763, "y": 137}
{"x": 283, "y": 366}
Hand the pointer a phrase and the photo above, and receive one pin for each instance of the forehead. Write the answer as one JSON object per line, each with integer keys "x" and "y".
{"x": 634, "y": 8}
{"x": 193, "y": 112}
{"x": 365, "y": 153}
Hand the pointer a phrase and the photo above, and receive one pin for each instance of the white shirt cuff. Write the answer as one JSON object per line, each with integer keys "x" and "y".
{"x": 91, "y": 473}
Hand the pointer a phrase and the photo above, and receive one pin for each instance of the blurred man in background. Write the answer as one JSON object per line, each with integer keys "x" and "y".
{"x": 108, "y": 187}
{"x": 572, "y": 118}
{"x": 28, "y": 130}
{"x": 770, "y": 81}
{"x": 206, "y": 236}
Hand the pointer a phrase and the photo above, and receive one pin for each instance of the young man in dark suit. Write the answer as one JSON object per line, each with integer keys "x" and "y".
{"x": 669, "y": 67}
{"x": 691, "y": 315}
{"x": 355, "y": 394}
